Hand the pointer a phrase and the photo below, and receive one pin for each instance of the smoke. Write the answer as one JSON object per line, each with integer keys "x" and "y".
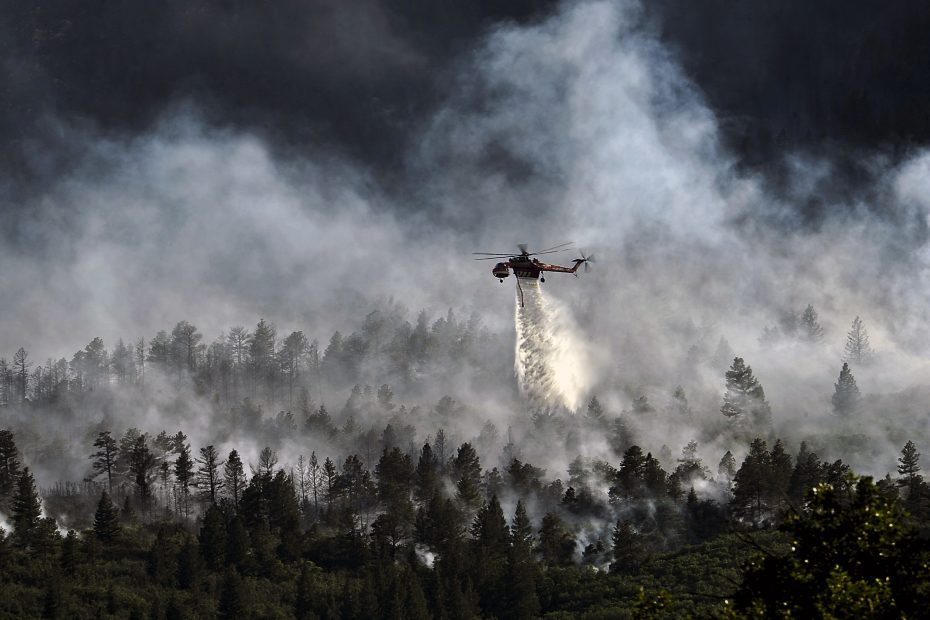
{"x": 579, "y": 127}
{"x": 550, "y": 366}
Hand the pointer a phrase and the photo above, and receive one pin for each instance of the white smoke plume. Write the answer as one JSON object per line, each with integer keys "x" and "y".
{"x": 550, "y": 365}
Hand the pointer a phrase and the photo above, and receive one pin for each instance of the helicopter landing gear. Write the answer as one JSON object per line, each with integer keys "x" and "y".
{"x": 502, "y": 280}
{"x": 542, "y": 279}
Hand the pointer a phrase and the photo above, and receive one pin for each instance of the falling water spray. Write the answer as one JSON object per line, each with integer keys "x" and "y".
{"x": 549, "y": 360}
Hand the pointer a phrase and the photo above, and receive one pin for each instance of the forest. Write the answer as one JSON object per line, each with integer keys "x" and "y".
{"x": 172, "y": 478}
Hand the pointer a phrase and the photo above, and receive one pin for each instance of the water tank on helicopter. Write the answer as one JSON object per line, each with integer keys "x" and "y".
{"x": 501, "y": 270}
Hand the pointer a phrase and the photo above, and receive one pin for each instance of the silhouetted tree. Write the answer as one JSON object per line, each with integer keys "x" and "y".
{"x": 234, "y": 477}
{"x": 27, "y": 510}
{"x": 9, "y": 465}
{"x": 209, "y": 480}
{"x": 744, "y": 401}
{"x": 858, "y": 350}
{"x": 751, "y": 489}
{"x": 809, "y": 328}
{"x": 846, "y": 397}
{"x": 104, "y": 459}
{"x": 106, "y": 520}
{"x": 628, "y": 549}
{"x": 184, "y": 474}
{"x": 556, "y": 544}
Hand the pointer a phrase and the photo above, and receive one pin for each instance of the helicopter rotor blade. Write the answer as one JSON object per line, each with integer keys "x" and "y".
{"x": 492, "y": 258}
{"x": 561, "y": 245}
{"x": 492, "y": 254}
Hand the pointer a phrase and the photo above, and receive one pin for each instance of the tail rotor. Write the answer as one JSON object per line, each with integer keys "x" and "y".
{"x": 586, "y": 261}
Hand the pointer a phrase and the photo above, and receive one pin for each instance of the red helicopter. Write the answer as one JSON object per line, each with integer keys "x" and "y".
{"x": 525, "y": 266}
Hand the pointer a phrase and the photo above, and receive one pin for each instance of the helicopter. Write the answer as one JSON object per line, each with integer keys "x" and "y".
{"x": 525, "y": 266}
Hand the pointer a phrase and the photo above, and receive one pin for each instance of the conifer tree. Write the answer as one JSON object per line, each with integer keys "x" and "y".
{"x": 209, "y": 480}
{"x": 780, "y": 468}
{"x": 727, "y": 466}
{"x": 106, "y": 520}
{"x": 909, "y": 463}
{"x": 809, "y": 327}
{"x": 9, "y": 465}
{"x": 556, "y": 544}
{"x": 467, "y": 469}
{"x": 184, "y": 474}
{"x": 595, "y": 411}
{"x": 744, "y": 401}
{"x": 426, "y": 477}
{"x": 751, "y": 484}
{"x": 807, "y": 473}
{"x": 27, "y": 510}
{"x": 105, "y": 457}
{"x": 69, "y": 553}
{"x": 234, "y": 477}
{"x": 141, "y": 464}
{"x": 858, "y": 350}
{"x": 522, "y": 599}
{"x": 911, "y": 480}
{"x": 628, "y": 549}
{"x": 846, "y": 397}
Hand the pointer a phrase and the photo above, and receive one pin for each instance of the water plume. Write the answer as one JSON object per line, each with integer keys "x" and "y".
{"x": 549, "y": 361}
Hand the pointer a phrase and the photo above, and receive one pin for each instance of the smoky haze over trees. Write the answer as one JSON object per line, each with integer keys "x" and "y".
{"x": 243, "y": 351}
{"x": 428, "y": 509}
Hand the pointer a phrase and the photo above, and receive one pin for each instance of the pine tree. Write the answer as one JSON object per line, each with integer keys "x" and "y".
{"x": 727, "y": 466}
{"x": 21, "y": 366}
{"x": 9, "y": 466}
{"x": 426, "y": 476}
{"x": 234, "y": 477}
{"x": 522, "y": 600}
{"x": 780, "y": 468}
{"x": 467, "y": 469}
{"x": 208, "y": 474}
{"x": 858, "y": 349}
{"x": 909, "y": 463}
{"x": 556, "y": 544}
{"x": 141, "y": 464}
{"x": 105, "y": 457}
{"x": 628, "y": 548}
{"x": 595, "y": 411}
{"x": 751, "y": 484}
{"x": 810, "y": 329}
{"x": 744, "y": 400}
{"x": 807, "y": 473}
{"x": 846, "y": 397}
{"x": 69, "y": 554}
{"x": 184, "y": 474}
{"x": 106, "y": 520}
{"x": 27, "y": 510}
{"x": 911, "y": 480}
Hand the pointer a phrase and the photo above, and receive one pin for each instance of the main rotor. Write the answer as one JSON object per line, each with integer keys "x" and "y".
{"x": 524, "y": 254}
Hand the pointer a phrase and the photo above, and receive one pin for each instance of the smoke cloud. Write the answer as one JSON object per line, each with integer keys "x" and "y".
{"x": 583, "y": 127}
